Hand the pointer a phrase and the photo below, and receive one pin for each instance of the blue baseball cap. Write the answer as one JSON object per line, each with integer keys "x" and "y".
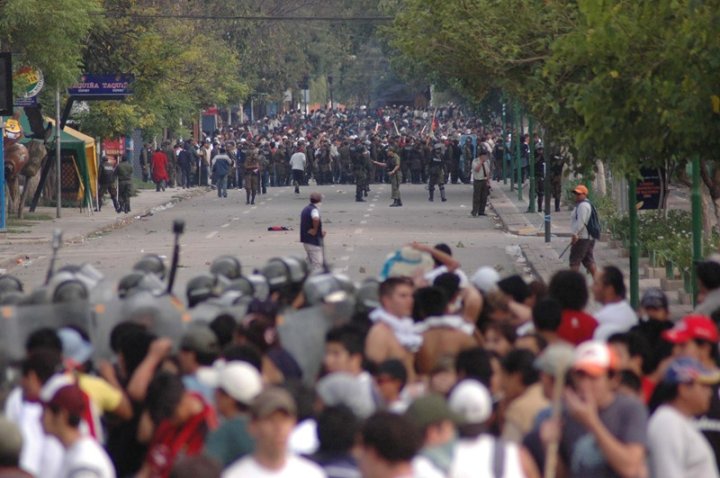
{"x": 688, "y": 370}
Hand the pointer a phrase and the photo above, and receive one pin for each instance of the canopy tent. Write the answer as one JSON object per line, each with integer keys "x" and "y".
{"x": 82, "y": 148}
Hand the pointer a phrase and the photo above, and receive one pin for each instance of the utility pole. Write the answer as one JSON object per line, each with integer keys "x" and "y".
{"x": 502, "y": 138}
{"x": 531, "y": 166}
{"x": 634, "y": 247}
{"x": 696, "y": 224}
{"x": 330, "y": 87}
{"x": 58, "y": 155}
{"x": 518, "y": 159}
{"x": 546, "y": 186}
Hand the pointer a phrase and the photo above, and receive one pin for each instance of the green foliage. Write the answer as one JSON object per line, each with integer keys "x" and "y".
{"x": 49, "y": 35}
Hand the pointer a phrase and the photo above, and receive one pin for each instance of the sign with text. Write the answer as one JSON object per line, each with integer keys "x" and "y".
{"x": 103, "y": 85}
{"x": 651, "y": 189}
{"x": 114, "y": 149}
{"x": 6, "y": 97}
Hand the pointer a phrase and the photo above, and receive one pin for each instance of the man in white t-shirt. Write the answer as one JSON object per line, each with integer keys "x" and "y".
{"x": 273, "y": 416}
{"x": 616, "y": 315}
{"x": 64, "y": 406}
{"x": 676, "y": 447}
{"x": 297, "y": 164}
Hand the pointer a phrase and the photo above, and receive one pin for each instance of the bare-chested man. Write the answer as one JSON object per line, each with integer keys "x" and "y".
{"x": 393, "y": 334}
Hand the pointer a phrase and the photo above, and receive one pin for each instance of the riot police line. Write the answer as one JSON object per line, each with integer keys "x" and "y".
{"x": 81, "y": 296}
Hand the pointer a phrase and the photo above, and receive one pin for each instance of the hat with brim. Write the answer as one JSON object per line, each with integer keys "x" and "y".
{"x": 594, "y": 358}
{"x": 688, "y": 370}
{"x": 271, "y": 400}
{"x": 692, "y": 327}
{"x": 430, "y": 410}
{"x": 580, "y": 189}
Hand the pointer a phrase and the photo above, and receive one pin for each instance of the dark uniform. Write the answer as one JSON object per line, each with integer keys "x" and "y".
{"x": 106, "y": 182}
{"x": 436, "y": 174}
{"x": 539, "y": 177}
{"x": 357, "y": 156}
{"x": 556, "y": 168}
{"x": 124, "y": 175}
{"x": 252, "y": 172}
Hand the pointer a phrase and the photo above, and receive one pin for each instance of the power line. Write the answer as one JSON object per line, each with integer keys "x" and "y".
{"x": 251, "y": 18}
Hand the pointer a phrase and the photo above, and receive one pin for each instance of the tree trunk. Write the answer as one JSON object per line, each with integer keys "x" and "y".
{"x": 709, "y": 211}
{"x": 600, "y": 182}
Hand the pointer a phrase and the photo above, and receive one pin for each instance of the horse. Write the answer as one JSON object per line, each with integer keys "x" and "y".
{"x": 21, "y": 160}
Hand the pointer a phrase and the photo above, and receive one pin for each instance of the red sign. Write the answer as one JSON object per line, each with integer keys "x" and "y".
{"x": 114, "y": 149}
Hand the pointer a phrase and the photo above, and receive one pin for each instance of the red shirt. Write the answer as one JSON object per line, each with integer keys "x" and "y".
{"x": 171, "y": 441}
{"x": 576, "y": 326}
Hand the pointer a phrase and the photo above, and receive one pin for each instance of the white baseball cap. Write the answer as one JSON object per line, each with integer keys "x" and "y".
{"x": 471, "y": 400}
{"x": 238, "y": 379}
{"x": 485, "y": 279}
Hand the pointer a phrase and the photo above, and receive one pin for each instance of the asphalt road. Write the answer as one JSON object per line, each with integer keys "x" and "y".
{"x": 359, "y": 235}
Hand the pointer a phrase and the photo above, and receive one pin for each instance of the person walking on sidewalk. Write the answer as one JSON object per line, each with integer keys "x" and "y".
{"x": 481, "y": 188}
{"x": 393, "y": 170}
{"x": 582, "y": 244}
{"x": 311, "y": 232}
{"x": 158, "y": 169}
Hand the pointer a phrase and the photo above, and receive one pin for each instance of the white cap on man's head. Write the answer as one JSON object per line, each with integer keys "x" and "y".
{"x": 471, "y": 400}
{"x": 485, "y": 279}
{"x": 238, "y": 379}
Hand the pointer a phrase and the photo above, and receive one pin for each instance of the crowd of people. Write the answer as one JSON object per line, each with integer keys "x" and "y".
{"x": 433, "y": 372}
{"x": 394, "y": 145}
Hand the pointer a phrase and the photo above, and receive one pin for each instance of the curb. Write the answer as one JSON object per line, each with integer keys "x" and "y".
{"x": 119, "y": 223}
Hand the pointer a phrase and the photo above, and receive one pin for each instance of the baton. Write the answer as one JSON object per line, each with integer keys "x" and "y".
{"x": 56, "y": 243}
{"x": 178, "y": 229}
{"x": 565, "y": 250}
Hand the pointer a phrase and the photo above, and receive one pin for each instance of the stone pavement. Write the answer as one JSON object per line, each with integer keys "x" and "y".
{"x": 26, "y": 238}
{"x": 544, "y": 258}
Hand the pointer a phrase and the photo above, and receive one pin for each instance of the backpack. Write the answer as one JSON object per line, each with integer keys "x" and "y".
{"x": 593, "y": 225}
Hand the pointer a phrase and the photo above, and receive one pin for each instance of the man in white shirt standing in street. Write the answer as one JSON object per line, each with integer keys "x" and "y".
{"x": 616, "y": 315}
{"x": 297, "y": 164}
{"x": 582, "y": 245}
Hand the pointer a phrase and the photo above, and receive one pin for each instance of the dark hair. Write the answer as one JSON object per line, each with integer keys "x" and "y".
{"x": 516, "y": 287}
{"x": 708, "y": 272}
{"x": 120, "y": 329}
{"x": 636, "y": 343}
{"x": 613, "y": 277}
{"x": 349, "y": 336}
{"x": 43, "y": 362}
{"x": 387, "y": 287}
{"x": 449, "y": 282}
{"x": 570, "y": 289}
{"x": 134, "y": 346}
{"x": 243, "y": 353}
{"x": 304, "y": 397}
{"x": 429, "y": 302}
{"x": 631, "y": 380}
{"x": 163, "y": 396}
{"x": 337, "y": 429}
{"x": 43, "y": 338}
{"x": 521, "y": 361}
{"x": 664, "y": 392}
{"x": 547, "y": 315}
{"x": 475, "y": 363}
{"x": 223, "y": 326}
{"x": 442, "y": 247}
{"x": 393, "y": 437}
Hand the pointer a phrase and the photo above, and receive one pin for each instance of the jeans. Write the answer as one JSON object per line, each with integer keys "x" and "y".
{"x": 221, "y": 181}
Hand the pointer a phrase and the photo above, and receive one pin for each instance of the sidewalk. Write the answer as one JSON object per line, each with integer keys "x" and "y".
{"x": 23, "y": 237}
{"x": 544, "y": 258}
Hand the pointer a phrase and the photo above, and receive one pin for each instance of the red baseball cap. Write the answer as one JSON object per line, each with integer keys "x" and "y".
{"x": 692, "y": 327}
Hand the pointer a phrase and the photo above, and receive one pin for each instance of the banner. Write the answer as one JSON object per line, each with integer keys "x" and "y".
{"x": 114, "y": 149}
